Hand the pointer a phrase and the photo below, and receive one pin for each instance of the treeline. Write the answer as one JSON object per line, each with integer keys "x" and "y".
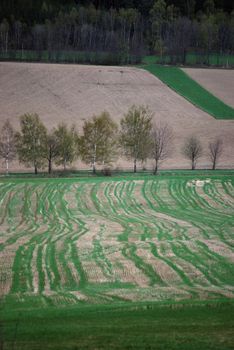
{"x": 100, "y": 143}
{"x": 113, "y": 32}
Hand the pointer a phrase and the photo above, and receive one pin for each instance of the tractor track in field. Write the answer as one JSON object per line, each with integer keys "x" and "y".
{"x": 101, "y": 241}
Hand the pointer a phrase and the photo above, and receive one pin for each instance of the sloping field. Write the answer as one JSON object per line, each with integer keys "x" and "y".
{"x": 117, "y": 264}
{"x": 179, "y": 81}
{"x": 64, "y": 242}
{"x": 218, "y": 81}
{"x": 73, "y": 93}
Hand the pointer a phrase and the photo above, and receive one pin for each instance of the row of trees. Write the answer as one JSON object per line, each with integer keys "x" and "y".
{"x": 123, "y": 32}
{"x": 31, "y": 10}
{"x": 100, "y": 143}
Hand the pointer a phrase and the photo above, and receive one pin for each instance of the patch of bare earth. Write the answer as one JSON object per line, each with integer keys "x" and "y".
{"x": 220, "y": 82}
{"x": 73, "y": 93}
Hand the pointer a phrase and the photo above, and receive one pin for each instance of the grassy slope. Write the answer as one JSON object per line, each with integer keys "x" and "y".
{"x": 136, "y": 326}
{"x": 179, "y": 81}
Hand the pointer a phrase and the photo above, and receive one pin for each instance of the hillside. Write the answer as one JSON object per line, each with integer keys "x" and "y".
{"x": 73, "y": 93}
{"x": 218, "y": 81}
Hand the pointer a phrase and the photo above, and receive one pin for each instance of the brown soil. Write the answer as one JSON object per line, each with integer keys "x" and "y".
{"x": 73, "y": 93}
{"x": 220, "y": 82}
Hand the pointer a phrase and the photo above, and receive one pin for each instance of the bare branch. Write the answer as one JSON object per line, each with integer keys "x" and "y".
{"x": 192, "y": 150}
{"x": 161, "y": 139}
{"x": 215, "y": 151}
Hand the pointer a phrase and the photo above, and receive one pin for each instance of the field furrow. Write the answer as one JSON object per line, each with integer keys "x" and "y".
{"x": 64, "y": 242}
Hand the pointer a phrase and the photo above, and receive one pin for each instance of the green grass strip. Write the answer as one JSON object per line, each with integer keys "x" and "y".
{"x": 179, "y": 81}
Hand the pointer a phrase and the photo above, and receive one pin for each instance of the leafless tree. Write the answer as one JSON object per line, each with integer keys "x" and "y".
{"x": 161, "y": 138}
{"x": 192, "y": 150}
{"x": 215, "y": 151}
{"x": 7, "y": 144}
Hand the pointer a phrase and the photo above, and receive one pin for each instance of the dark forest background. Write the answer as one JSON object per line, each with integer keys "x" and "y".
{"x": 113, "y": 32}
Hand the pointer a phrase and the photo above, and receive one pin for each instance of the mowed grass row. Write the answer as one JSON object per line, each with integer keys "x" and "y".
{"x": 98, "y": 241}
{"x": 179, "y": 81}
{"x": 195, "y": 59}
{"x": 133, "y": 326}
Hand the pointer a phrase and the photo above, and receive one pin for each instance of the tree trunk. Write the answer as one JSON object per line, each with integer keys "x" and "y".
{"x": 35, "y": 169}
{"x": 64, "y": 165}
{"x": 135, "y": 169}
{"x": 156, "y": 167}
{"x": 7, "y": 166}
{"x": 94, "y": 168}
{"x": 193, "y": 164}
{"x": 214, "y": 164}
{"x": 49, "y": 166}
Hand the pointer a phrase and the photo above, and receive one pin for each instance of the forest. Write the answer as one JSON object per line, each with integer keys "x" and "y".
{"x": 116, "y": 32}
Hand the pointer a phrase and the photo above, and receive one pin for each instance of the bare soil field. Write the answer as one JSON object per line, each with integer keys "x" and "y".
{"x": 73, "y": 93}
{"x": 219, "y": 82}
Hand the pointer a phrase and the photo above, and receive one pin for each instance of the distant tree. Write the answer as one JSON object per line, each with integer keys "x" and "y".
{"x": 66, "y": 144}
{"x": 161, "y": 138}
{"x": 135, "y": 133}
{"x": 4, "y": 34}
{"x": 31, "y": 141}
{"x": 215, "y": 151}
{"x": 98, "y": 145}
{"x": 157, "y": 16}
{"x": 7, "y": 144}
{"x": 192, "y": 150}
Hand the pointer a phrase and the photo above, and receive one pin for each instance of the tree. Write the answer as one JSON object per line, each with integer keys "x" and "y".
{"x": 52, "y": 149}
{"x": 135, "y": 133}
{"x": 215, "y": 151}
{"x": 4, "y": 34}
{"x": 66, "y": 141}
{"x": 192, "y": 150}
{"x": 7, "y": 144}
{"x": 31, "y": 141}
{"x": 158, "y": 15}
{"x": 99, "y": 141}
{"x": 161, "y": 138}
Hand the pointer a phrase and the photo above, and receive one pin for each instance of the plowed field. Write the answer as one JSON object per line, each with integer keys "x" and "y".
{"x": 73, "y": 93}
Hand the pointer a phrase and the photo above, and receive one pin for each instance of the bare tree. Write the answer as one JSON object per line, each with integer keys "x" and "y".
{"x": 215, "y": 151}
{"x": 161, "y": 138}
{"x": 192, "y": 150}
{"x": 7, "y": 144}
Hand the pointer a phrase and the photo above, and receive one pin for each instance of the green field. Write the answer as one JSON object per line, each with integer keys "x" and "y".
{"x": 179, "y": 81}
{"x": 63, "y": 56}
{"x": 192, "y": 59}
{"x": 117, "y": 263}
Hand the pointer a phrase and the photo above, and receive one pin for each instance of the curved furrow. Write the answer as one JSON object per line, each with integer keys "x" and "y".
{"x": 212, "y": 191}
{"x": 104, "y": 241}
